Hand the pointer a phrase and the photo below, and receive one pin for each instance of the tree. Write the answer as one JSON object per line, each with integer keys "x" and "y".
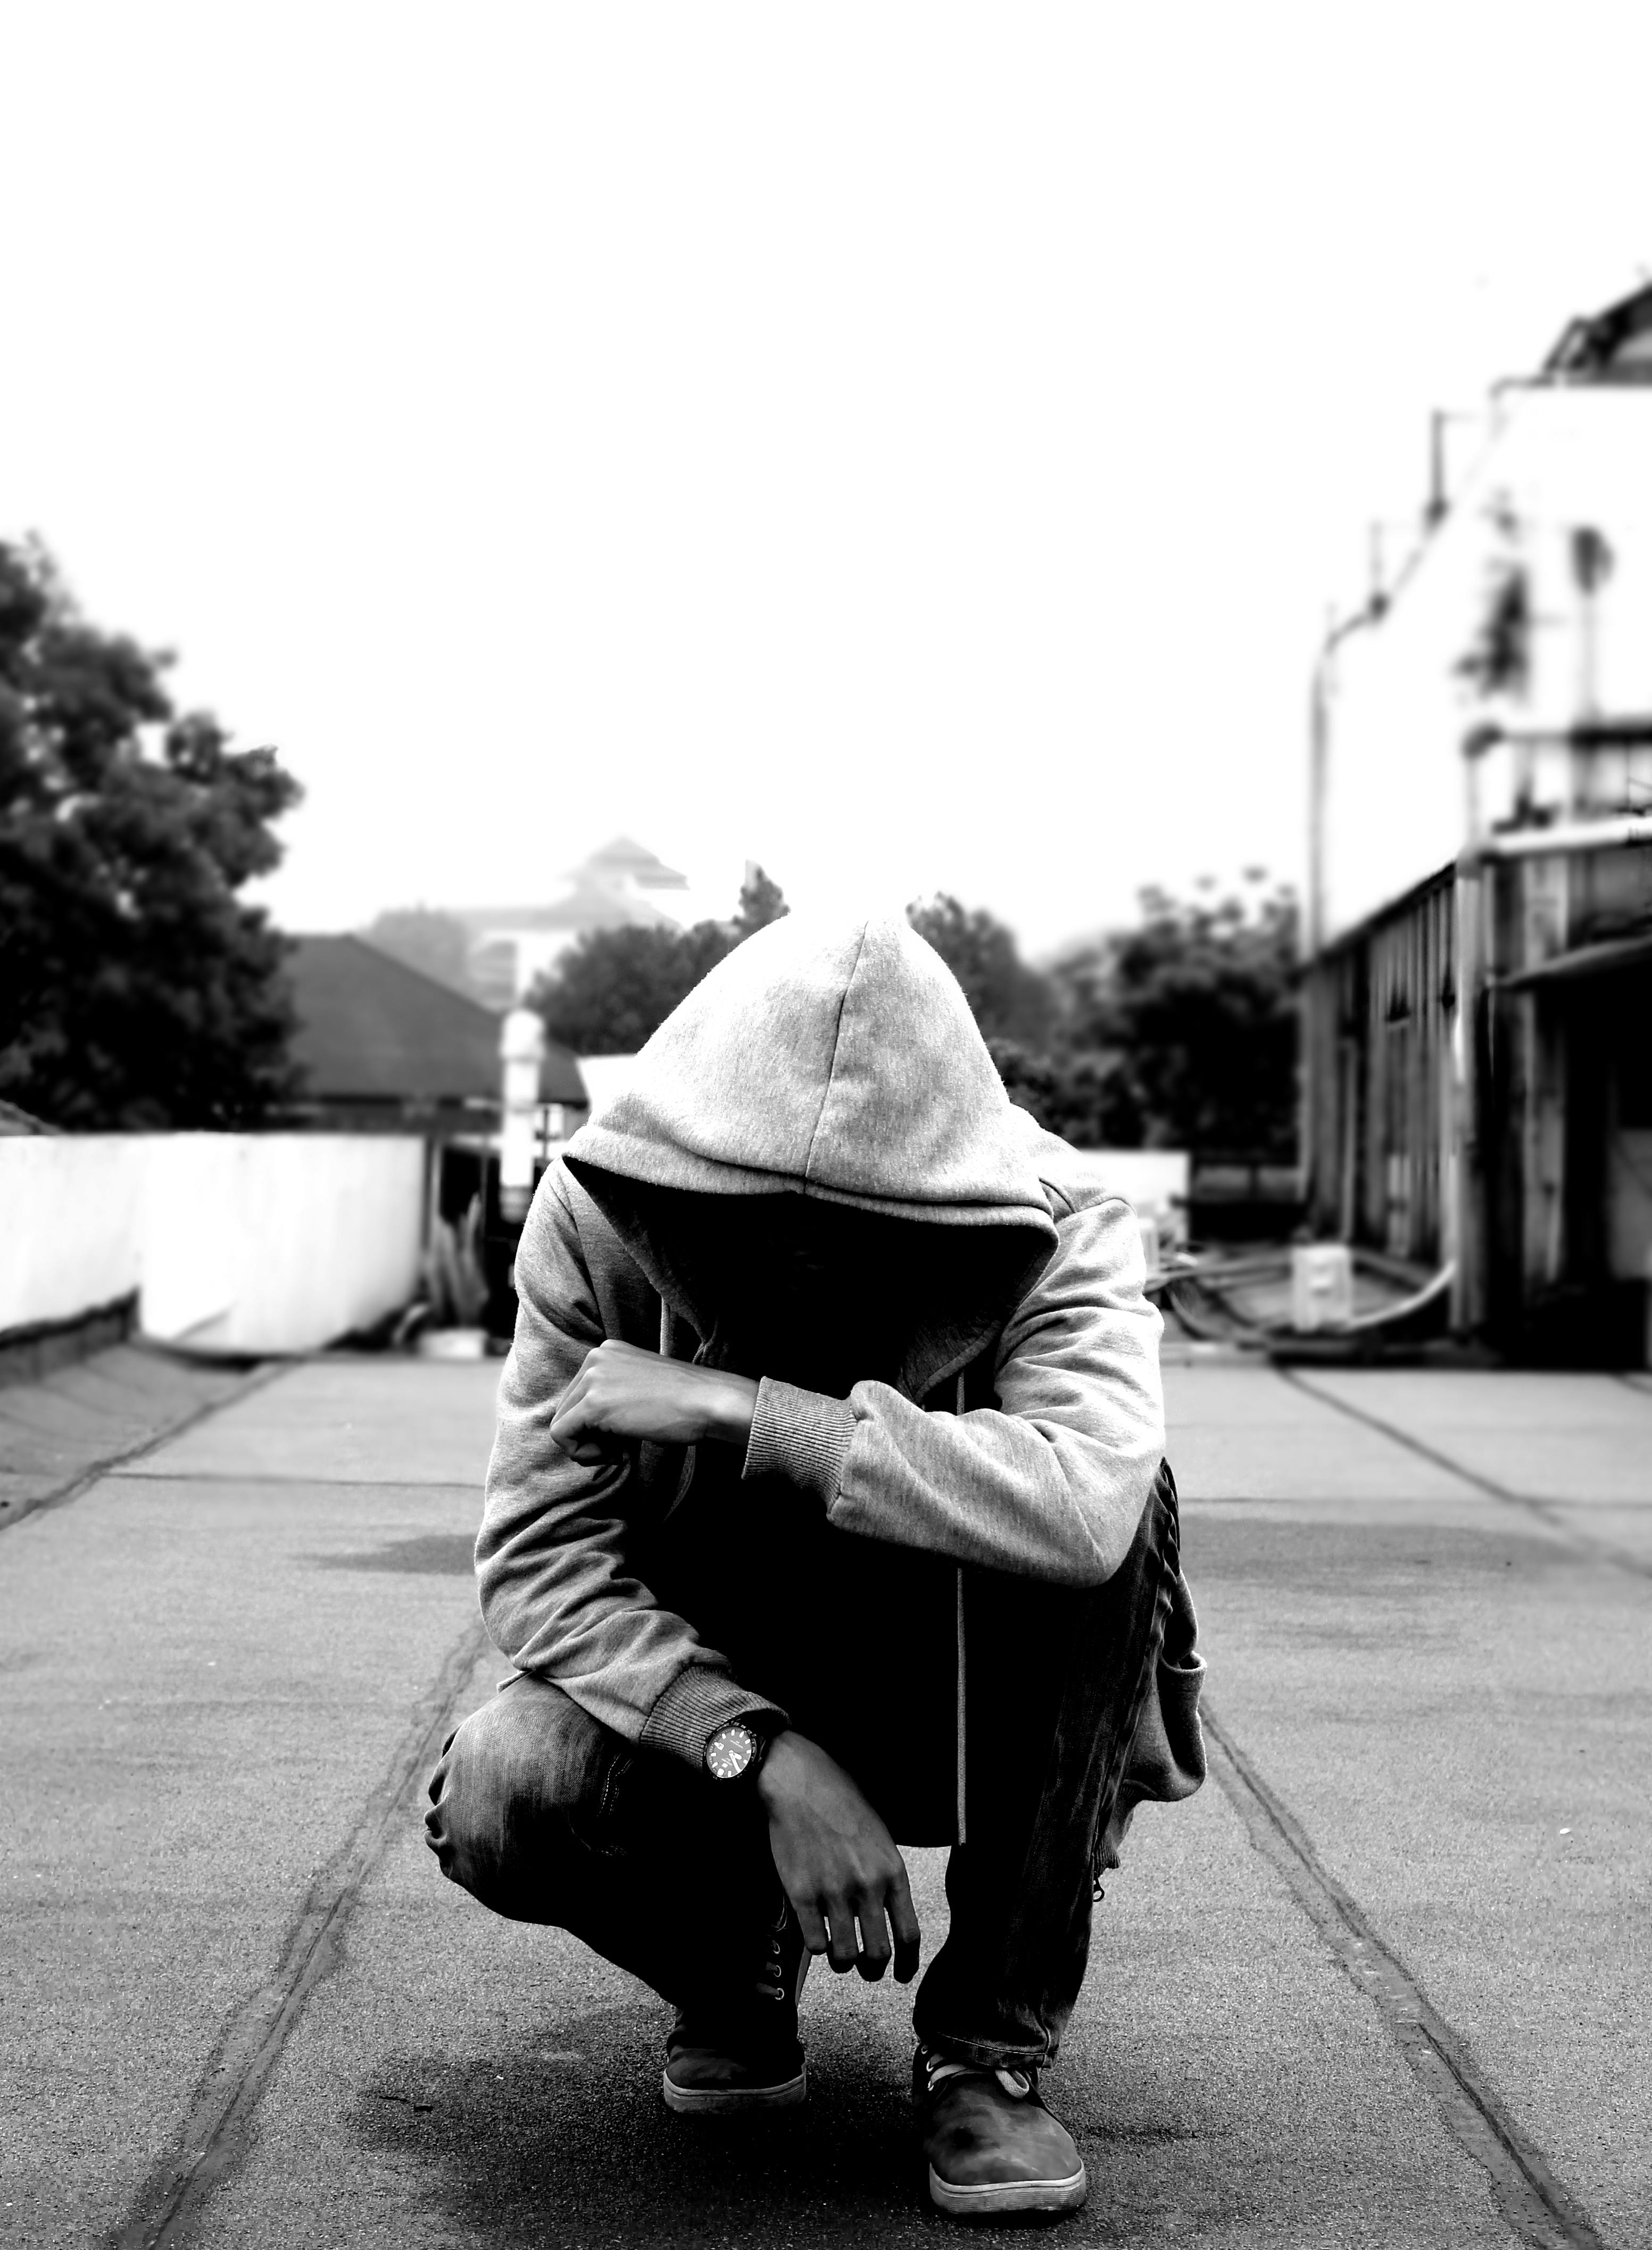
{"x": 436, "y": 944}
{"x": 614, "y": 988}
{"x": 761, "y": 901}
{"x": 1195, "y": 1015}
{"x": 1008, "y": 1000}
{"x": 1085, "y": 1097}
{"x": 135, "y": 989}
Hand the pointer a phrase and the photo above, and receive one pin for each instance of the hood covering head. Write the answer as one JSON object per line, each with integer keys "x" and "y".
{"x": 836, "y": 1063}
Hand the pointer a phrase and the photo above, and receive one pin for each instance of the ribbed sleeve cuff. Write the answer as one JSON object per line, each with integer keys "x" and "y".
{"x": 800, "y": 1434}
{"x": 696, "y": 1703}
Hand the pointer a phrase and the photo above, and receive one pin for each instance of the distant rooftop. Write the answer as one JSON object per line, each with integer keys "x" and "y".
{"x": 371, "y": 1029}
{"x": 612, "y": 888}
{"x": 1612, "y": 347}
{"x": 625, "y": 861}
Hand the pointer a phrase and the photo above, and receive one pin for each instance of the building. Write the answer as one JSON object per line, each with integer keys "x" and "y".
{"x": 1478, "y": 996}
{"x": 621, "y": 885}
{"x": 385, "y": 1049}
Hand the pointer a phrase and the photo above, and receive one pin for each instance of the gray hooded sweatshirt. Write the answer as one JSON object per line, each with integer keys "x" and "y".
{"x": 667, "y": 1594}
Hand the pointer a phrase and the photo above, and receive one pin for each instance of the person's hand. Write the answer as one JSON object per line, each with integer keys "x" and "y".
{"x": 622, "y": 1393}
{"x": 837, "y": 1861}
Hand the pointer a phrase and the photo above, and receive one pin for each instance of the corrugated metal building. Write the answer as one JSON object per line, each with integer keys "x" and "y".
{"x": 1478, "y": 1037}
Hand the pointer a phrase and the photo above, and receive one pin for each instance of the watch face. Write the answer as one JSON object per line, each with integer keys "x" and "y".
{"x": 730, "y": 1750}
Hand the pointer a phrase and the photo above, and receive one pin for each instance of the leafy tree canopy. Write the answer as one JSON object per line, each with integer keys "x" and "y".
{"x": 614, "y": 988}
{"x": 135, "y": 989}
{"x": 1177, "y": 1033}
{"x": 761, "y": 901}
{"x": 1083, "y": 1096}
{"x": 1008, "y": 1000}
{"x": 1194, "y": 1013}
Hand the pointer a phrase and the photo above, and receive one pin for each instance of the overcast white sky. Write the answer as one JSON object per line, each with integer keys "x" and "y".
{"x": 912, "y": 445}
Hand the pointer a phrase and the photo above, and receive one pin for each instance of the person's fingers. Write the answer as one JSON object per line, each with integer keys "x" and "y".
{"x": 812, "y": 1924}
{"x": 902, "y": 1920}
{"x": 568, "y": 1432}
{"x": 601, "y": 1389}
{"x": 844, "y": 1950}
{"x": 576, "y": 1424}
{"x": 874, "y": 1936}
{"x": 589, "y": 1452}
{"x": 582, "y": 1373}
{"x": 579, "y": 1408}
{"x": 572, "y": 1399}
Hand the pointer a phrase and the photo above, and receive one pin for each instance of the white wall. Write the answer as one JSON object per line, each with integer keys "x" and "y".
{"x": 235, "y": 1242}
{"x": 70, "y": 1223}
{"x": 1152, "y": 1181}
{"x": 1397, "y": 792}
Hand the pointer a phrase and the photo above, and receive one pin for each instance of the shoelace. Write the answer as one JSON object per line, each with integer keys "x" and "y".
{"x": 937, "y": 2070}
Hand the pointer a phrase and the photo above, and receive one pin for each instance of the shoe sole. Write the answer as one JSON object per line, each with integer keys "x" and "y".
{"x": 992, "y": 2196}
{"x": 725, "y": 2101}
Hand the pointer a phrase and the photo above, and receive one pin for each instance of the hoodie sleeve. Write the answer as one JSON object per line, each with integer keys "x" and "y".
{"x": 557, "y": 1597}
{"x": 1051, "y": 1483}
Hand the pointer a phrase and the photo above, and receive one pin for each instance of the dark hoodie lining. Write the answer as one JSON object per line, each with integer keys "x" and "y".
{"x": 818, "y": 1293}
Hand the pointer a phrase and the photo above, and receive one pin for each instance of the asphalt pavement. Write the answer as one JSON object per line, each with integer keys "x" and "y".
{"x": 1387, "y": 1979}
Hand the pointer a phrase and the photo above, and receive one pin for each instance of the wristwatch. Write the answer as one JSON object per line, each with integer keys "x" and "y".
{"x": 735, "y": 1751}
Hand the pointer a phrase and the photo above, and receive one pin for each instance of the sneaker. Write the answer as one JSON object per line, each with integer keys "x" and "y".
{"x": 744, "y": 2054}
{"x": 992, "y": 2145}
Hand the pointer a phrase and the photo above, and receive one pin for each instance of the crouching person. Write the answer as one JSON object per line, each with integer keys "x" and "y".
{"x": 826, "y": 1508}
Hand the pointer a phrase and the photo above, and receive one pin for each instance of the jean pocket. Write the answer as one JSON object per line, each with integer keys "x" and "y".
{"x": 598, "y": 1819}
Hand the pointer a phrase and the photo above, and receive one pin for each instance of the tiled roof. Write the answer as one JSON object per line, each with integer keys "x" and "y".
{"x": 369, "y": 1028}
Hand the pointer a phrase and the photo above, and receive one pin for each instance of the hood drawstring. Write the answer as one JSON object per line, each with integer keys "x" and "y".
{"x": 963, "y": 1678}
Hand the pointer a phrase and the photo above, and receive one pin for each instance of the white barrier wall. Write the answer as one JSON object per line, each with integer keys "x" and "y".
{"x": 1153, "y": 1181}
{"x": 234, "y": 1241}
{"x": 70, "y": 1219}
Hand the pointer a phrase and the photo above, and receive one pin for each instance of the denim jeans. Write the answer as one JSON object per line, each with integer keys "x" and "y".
{"x": 546, "y": 1816}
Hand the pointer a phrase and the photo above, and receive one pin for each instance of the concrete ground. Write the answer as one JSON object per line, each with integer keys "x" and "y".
{"x": 1386, "y": 1980}
{"x": 57, "y": 1433}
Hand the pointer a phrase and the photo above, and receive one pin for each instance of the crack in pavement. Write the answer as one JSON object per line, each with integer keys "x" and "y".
{"x": 215, "y": 2135}
{"x": 18, "y": 1511}
{"x": 216, "y": 2131}
{"x": 1551, "y": 1513}
{"x": 1538, "y": 2208}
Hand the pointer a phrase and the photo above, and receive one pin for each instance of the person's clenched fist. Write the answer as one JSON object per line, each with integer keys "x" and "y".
{"x": 622, "y": 1394}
